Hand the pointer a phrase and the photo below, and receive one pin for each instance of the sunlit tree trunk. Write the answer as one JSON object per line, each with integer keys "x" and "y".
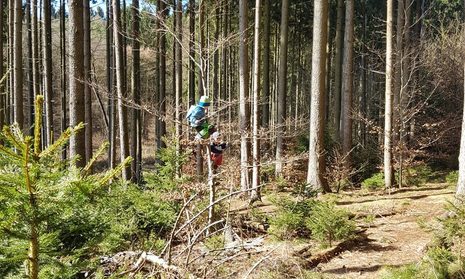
{"x": 388, "y": 176}
{"x": 316, "y": 159}
{"x": 87, "y": 81}
{"x": 76, "y": 77}
{"x": 136, "y": 138}
{"x": 162, "y": 93}
{"x": 178, "y": 61}
{"x": 347, "y": 82}
{"x": 48, "y": 71}
{"x": 266, "y": 66}
{"x": 255, "y": 194}
{"x": 244, "y": 112}
{"x": 191, "y": 52}
{"x": 121, "y": 94}
{"x": 18, "y": 64}
{"x": 338, "y": 68}
{"x": 64, "y": 120}
{"x": 282, "y": 86}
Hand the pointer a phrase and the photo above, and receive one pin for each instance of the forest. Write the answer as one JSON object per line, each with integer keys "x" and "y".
{"x": 232, "y": 138}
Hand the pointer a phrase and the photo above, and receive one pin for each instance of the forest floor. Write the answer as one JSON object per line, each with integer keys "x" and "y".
{"x": 398, "y": 235}
{"x": 393, "y": 230}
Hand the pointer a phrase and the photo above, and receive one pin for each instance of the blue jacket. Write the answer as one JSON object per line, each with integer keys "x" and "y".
{"x": 196, "y": 115}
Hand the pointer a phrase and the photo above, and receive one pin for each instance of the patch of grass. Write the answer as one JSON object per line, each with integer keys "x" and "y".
{"x": 405, "y": 272}
{"x": 416, "y": 176}
{"x": 369, "y": 219}
{"x": 375, "y": 182}
{"x": 214, "y": 242}
{"x": 452, "y": 178}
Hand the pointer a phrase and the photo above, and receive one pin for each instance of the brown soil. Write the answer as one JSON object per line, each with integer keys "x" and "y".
{"x": 397, "y": 236}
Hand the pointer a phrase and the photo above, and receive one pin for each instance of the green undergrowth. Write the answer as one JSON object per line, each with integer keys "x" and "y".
{"x": 77, "y": 216}
{"x": 310, "y": 218}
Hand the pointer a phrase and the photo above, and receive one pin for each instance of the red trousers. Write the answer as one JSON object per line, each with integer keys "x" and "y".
{"x": 217, "y": 159}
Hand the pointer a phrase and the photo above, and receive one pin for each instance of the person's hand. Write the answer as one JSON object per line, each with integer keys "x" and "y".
{"x": 197, "y": 122}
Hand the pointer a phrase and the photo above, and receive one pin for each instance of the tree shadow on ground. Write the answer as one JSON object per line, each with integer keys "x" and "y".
{"x": 359, "y": 269}
{"x": 384, "y": 198}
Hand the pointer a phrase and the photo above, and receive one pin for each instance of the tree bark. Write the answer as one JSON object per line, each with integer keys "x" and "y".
{"x": 48, "y": 71}
{"x": 388, "y": 175}
{"x": 244, "y": 113}
{"x": 191, "y": 52}
{"x": 178, "y": 61}
{"x": 76, "y": 76}
{"x": 282, "y": 85}
{"x": 121, "y": 94}
{"x": 348, "y": 78}
{"x": 338, "y": 68}
{"x": 162, "y": 95}
{"x": 136, "y": 138}
{"x": 255, "y": 194}
{"x": 10, "y": 92}
{"x": 87, "y": 81}
{"x": 397, "y": 87}
{"x": 18, "y": 64}
{"x": 30, "y": 61}
{"x": 110, "y": 82}
{"x": 266, "y": 65}
{"x": 316, "y": 159}
{"x": 64, "y": 120}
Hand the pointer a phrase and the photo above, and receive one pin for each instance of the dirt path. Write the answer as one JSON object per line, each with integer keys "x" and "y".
{"x": 394, "y": 230}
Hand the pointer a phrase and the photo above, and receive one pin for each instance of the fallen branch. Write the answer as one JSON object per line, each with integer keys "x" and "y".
{"x": 155, "y": 260}
{"x": 259, "y": 262}
{"x": 328, "y": 254}
{"x": 212, "y": 204}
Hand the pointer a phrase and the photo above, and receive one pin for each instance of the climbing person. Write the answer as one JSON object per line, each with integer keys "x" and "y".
{"x": 197, "y": 117}
{"x": 217, "y": 146}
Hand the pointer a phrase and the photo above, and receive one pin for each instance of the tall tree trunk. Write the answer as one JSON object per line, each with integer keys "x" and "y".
{"x": 76, "y": 76}
{"x": 202, "y": 58}
{"x": 348, "y": 78}
{"x": 18, "y": 64}
{"x": 87, "y": 81}
{"x": 121, "y": 94}
{"x": 255, "y": 195}
{"x": 30, "y": 61}
{"x": 363, "y": 78}
{"x": 178, "y": 61}
{"x": 157, "y": 75}
{"x": 282, "y": 85}
{"x": 338, "y": 68}
{"x": 48, "y": 71}
{"x": 215, "y": 87}
{"x": 162, "y": 95}
{"x": 224, "y": 54}
{"x": 388, "y": 175}
{"x": 398, "y": 69}
{"x": 244, "y": 113}
{"x": 110, "y": 76}
{"x": 266, "y": 65}
{"x": 10, "y": 97}
{"x": 460, "y": 193}
{"x": 316, "y": 160}
{"x": 191, "y": 52}
{"x": 64, "y": 120}
{"x": 136, "y": 138}
{"x": 201, "y": 75}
